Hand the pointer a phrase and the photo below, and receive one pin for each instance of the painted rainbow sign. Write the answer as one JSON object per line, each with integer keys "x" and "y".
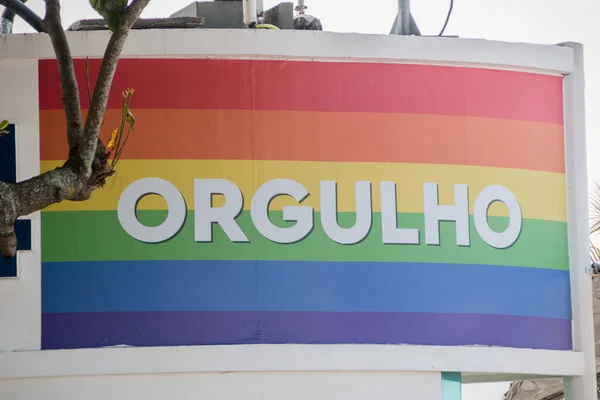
{"x": 333, "y": 179}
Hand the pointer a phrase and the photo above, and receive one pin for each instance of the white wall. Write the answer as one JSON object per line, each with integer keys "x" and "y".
{"x": 238, "y": 386}
{"x": 20, "y": 298}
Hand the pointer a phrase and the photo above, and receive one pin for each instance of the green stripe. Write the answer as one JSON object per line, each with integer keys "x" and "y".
{"x": 98, "y": 236}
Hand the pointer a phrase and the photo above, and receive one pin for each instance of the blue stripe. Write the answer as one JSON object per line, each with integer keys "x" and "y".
{"x": 303, "y": 286}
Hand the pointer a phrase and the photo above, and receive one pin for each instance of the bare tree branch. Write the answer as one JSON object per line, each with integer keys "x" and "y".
{"x": 68, "y": 81}
{"x": 104, "y": 81}
{"x": 87, "y": 167}
{"x": 25, "y": 197}
{"x": 37, "y": 193}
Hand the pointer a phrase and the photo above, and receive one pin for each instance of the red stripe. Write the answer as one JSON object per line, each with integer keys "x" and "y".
{"x": 321, "y": 86}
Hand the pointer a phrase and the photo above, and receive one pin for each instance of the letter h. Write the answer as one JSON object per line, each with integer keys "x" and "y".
{"x": 434, "y": 213}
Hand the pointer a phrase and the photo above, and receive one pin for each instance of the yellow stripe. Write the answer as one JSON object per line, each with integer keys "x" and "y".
{"x": 540, "y": 194}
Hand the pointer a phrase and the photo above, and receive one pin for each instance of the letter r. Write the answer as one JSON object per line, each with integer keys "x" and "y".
{"x": 205, "y": 214}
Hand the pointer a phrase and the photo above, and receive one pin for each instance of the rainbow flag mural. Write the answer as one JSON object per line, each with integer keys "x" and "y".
{"x": 362, "y": 156}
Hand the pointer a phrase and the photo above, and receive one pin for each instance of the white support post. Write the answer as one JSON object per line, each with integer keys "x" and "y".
{"x": 580, "y": 387}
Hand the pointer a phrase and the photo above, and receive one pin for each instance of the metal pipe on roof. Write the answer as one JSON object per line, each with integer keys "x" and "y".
{"x": 250, "y": 14}
{"x": 414, "y": 29}
{"x": 403, "y": 25}
{"x": 20, "y": 9}
{"x": 301, "y": 7}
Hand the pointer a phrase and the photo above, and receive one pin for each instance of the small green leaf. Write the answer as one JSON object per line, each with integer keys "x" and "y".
{"x": 3, "y": 125}
{"x": 111, "y": 10}
{"x": 130, "y": 119}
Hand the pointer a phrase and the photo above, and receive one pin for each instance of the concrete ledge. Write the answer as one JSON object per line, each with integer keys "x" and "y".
{"x": 147, "y": 23}
{"x": 232, "y": 386}
{"x": 303, "y": 45}
{"x": 476, "y": 361}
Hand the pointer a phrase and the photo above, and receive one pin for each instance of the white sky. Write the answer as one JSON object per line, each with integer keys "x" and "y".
{"x": 534, "y": 21}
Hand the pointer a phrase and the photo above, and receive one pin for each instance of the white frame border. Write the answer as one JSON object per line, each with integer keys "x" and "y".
{"x": 482, "y": 363}
{"x": 582, "y": 387}
{"x": 303, "y": 45}
{"x": 478, "y": 363}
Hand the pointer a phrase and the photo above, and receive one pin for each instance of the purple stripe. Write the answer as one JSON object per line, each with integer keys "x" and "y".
{"x": 87, "y": 330}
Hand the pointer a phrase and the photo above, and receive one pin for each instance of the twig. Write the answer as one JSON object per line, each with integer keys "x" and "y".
{"x": 105, "y": 77}
{"x": 87, "y": 79}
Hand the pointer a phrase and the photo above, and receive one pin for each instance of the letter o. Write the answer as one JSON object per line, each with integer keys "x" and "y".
{"x": 176, "y": 210}
{"x": 489, "y": 195}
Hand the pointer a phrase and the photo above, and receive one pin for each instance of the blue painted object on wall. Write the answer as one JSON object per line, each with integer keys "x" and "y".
{"x": 8, "y": 173}
{"x": 8, "y": 155}
{"x": 451, "y": 386}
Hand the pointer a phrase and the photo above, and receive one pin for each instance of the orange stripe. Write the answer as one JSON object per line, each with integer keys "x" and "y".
{"x": 323, "y": 136}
